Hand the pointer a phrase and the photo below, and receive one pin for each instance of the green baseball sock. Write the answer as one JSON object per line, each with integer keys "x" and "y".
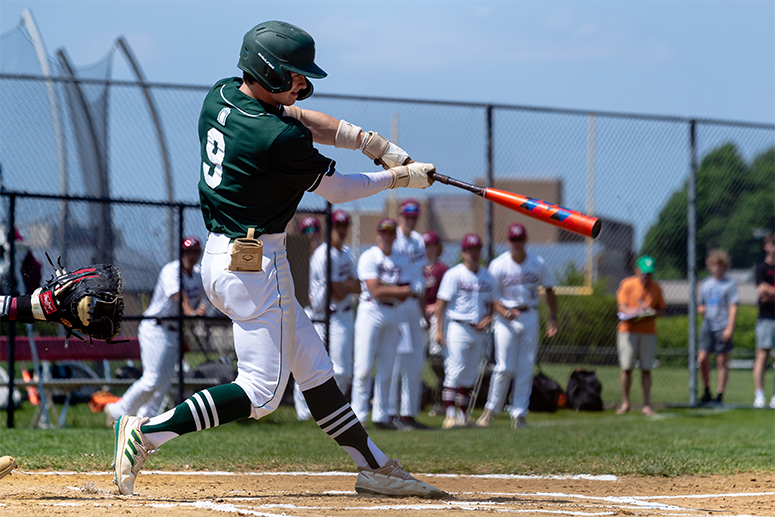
{"x": 204, "y": 409}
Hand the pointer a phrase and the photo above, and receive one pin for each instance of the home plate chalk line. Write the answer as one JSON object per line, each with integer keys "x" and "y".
{"x": 536, "y": 503}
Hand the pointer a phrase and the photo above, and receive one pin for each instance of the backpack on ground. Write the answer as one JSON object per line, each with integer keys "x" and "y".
{"x": 547, "y": 395}
{"x": 584, "y": 390}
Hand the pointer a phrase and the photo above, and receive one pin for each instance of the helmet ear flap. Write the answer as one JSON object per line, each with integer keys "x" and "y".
{"x": 306, "y": 92}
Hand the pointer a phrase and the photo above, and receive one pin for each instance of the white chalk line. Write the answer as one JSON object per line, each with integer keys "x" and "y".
{"x": 320, "y": 474}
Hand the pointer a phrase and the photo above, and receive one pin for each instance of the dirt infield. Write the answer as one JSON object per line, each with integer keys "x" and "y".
{"x": 332, "y": 494}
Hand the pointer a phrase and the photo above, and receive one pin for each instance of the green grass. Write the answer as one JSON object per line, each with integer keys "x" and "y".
{"x": 676, "y": 442}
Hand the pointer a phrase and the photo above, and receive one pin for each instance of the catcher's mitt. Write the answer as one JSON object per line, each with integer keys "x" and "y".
{"x": 87, "y": 300}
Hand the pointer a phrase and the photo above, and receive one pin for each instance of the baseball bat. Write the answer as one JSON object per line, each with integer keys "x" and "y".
{"x": 559, "y": 216}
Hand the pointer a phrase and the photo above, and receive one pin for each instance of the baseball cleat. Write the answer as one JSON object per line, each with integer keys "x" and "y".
{"x": 130, "y": 453}
{"x": 486, "y": 419}
{"x": 7, "y": 464}
{"x": 519, "y": 423}
{"x": 392, "y": 480}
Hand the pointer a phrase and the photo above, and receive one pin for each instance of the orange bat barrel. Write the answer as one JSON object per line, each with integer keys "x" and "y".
{"x": 564, "y": 218}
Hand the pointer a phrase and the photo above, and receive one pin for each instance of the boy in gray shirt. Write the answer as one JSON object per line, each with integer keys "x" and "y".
{"x": 718, "y": 302}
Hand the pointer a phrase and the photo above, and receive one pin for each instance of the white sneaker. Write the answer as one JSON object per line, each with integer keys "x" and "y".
{"x": 7, "y": 464}
{"x": 772, "y": 402}
{"x": 392, "y": 480}
{"x": 486, "y": 419}
{"x": 758, "y": 402}
{"x": 130, "y": 453}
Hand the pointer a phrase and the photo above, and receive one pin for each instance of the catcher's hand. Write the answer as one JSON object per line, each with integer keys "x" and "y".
{"x": 87, "y": 300}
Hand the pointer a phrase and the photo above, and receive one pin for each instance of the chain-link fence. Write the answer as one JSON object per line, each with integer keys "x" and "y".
{"x": 114, "y": 167}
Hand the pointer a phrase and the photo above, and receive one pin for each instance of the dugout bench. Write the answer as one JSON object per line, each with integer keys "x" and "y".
{"x": 52, "y": 349}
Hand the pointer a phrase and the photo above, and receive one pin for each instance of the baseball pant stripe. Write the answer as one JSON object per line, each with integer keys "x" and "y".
{"x": 192, "y": 408}
{"x": 201, "y": 405}
{"x": 324, "y": 421}
{"x": 346, "y": 422}
{"x": 213, "y": 408}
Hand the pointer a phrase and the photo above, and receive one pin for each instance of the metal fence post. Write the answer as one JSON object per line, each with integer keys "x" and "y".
{"x": 181, "y": 345}
{"x": 12, "y": 324}
{"x": 490, "y": 182}
{"x": 691, "y": 258}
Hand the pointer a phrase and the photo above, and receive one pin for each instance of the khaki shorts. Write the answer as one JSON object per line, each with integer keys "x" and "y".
{"x": 635, "y": 346}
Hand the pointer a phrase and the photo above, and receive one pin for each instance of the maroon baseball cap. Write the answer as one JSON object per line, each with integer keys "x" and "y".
{"x": 431, "y": 237}
{"x": 191, "y": 243}
{"x": 387, "y": 226}
{"x": 340, "y": 217}
{"x": 471, "y": 240}
{"x": 309, "y": 225}
{"x": 409, "y": 208}
{"x": 517, "y": 232}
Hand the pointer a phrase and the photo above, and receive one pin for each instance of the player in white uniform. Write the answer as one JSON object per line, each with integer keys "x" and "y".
{"x": 159, "y": 338}
{"x": 310, "y": 227}
{"x": 464, "y": 306}
{"x": 405, "y": 389}
{"x": 344, "y": 288}
{"x": 258, "y": 158}
{"x": 518, "y": 275}
{"x": 376, "y": 325}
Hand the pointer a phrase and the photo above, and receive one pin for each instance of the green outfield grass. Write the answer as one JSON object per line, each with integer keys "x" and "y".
{"x": 677, "y": 441}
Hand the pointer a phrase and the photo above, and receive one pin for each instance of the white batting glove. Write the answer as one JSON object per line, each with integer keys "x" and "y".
{"x": 383, "y": 152}
{"x": 414, "y": 175}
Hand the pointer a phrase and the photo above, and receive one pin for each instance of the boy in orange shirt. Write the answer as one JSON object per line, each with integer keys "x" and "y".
{"x": 640, "y": 301}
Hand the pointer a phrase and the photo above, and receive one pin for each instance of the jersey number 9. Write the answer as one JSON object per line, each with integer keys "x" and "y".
{"x": 216, "y": 149}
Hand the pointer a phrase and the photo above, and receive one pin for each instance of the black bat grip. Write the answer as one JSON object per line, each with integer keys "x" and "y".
{"x": 435, "y": 176}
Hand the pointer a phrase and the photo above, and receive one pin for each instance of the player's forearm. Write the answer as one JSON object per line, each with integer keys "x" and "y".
{"x": 732, "y": 319}
{"x": 16, "y": 308}
{"x": 341, "y": 188}
{"x": 551, "y": 301}
{"x": 324, "y": 127}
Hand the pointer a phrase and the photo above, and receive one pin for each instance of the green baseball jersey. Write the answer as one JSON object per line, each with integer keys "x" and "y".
{"x": 256, "y": 163}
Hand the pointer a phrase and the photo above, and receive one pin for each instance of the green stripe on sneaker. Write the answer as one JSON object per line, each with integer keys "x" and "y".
{"x": 128, "y": 455}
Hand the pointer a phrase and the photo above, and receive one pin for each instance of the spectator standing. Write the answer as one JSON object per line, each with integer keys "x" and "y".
{"x": 719, "y": 300}
{"x": 765, "y": 325}
{"x": 640, "y": 301}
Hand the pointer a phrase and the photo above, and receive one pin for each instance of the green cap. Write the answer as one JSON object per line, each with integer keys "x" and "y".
{"x": 646, "y": 264}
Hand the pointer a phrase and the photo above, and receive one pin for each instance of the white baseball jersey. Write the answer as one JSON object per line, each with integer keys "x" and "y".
{"x": 342, "y": 268}
{"x": 375, "y": 264}
{"x": 468, "y": 294}
{"x": 413, "y": 248}
{"x": 162, "y": 304}
{"x": 518, "y": 283}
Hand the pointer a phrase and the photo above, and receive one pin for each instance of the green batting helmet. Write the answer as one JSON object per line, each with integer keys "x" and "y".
{"x": 272, "y": 50}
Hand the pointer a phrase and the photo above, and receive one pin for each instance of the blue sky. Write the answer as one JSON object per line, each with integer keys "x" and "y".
{"x": 695, "y": 58}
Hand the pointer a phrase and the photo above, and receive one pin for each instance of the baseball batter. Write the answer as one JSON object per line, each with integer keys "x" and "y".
{"x": 257, "y": 161}
{"x": 518, "y": 275}
{"x": 464, "y": 306}
{"x": 405, "y": 389}
{"x": 159, "y": 340}
{"x": 376, "y": 330}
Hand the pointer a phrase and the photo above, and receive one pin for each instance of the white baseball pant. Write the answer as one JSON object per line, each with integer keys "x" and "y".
{"x": 158, "y": 353}
{"x": 376, "y": 340}
{"x": 462, "y": 354}
{"x": 272, "y": 335}
{"x": 405, "y": 387}
{"x": 340, "y": 350}
{"x": 516, "y": 346}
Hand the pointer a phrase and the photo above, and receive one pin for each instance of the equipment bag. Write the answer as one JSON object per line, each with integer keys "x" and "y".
{"x": 584, "y": 391}
{"x": 547, "y": 394}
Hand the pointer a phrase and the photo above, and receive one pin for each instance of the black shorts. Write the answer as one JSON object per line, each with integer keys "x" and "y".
{"x": 710, "y": 341}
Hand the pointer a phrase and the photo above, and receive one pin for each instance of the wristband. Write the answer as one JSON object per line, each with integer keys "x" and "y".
{"x": 347, "y": 136}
